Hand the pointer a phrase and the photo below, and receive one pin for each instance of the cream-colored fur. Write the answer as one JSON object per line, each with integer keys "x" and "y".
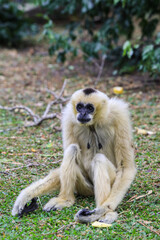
{"x": 107, "y": 172}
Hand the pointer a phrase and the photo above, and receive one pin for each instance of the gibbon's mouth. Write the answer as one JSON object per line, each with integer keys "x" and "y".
{"x": 84, "y": 120}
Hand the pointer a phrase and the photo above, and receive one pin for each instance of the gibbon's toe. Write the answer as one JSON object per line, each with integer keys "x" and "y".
{"x": 50, "y": 209}
{"x": 52, "y": 205}
{"x": 109, "y": 218}
{"x": 57, "y": 204}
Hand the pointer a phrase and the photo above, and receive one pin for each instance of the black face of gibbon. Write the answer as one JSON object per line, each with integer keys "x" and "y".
{"x": 84, "y": 111}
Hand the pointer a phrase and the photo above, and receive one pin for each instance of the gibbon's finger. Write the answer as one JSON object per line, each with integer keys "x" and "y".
{"x": 20, "y": 209}
{"x": 30, "y": 208}
{"x": 87, "y": 216}
{"x": 109, "y": 217}
{"x": 50, "y": 209}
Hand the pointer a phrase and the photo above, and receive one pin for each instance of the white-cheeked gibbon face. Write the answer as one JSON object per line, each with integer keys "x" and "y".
{"x": 86, "y": 103}
{"x": 85, "y": 112}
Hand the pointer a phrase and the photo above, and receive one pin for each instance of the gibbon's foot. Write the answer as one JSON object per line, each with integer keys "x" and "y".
{"x": 57, "y": 204}
{"x": 86, "y": 212}
{"x": 87, "y": 216}
{"x": 109, "y": 217}
{"x": 30, "y": 208}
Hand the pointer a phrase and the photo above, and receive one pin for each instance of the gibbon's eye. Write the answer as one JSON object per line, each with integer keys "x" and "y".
{"x": 79, "y": 107}
{"x": 90, "y": 108}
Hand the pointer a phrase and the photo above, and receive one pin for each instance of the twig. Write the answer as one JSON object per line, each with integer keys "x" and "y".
{"x": 28, "y": 165}
{"x": 141, "y": 196}
{"x": 65, "y": 226}
{"x": 40, "y": 120}
{"x": 30, "y": 112}
{"x": 9, "y": 129}
{"x": 150, "y": 228}
{"x": 91, "y": 59}
{"x": 37, "y": 120}
{"x": 100, "y": 69}
{"x": 6, "y": 173}
{"x": 40, "y": 202}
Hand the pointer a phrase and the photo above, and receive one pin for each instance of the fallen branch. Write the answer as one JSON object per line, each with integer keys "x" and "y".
{"x": 135, "y": 197}
{"x": 150, "y": 228}
{"x": 101, "y": 67}
{"x": 37, "y": 120}
{"x": 8, "y": 129}
{"x": 25, "y": 166}
{"x": 65, "y": 226}
{"x": 6, "y": 173}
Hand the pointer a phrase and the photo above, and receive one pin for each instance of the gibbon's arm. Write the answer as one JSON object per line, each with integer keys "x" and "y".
{"x": 124, "y": 155}
{"x": 125, "y": 167}
{"x": 68, "y": 127}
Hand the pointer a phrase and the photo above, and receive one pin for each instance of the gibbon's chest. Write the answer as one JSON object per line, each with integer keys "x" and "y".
{"x": 95, "y": 140}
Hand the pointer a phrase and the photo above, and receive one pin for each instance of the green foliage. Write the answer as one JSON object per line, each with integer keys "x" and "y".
{"x": 58, "y": 42}
{"x": 151, "y": 58}
{"x": 150, "y": 55}
{"x": 14, "y": 27}
{"x": 99, "y": 26}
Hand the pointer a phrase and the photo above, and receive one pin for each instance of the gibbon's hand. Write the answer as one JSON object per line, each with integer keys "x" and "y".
{"x": 30, "y": 208}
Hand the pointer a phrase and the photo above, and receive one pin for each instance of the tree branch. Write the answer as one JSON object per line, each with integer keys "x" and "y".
{"x": 37, "y": 120}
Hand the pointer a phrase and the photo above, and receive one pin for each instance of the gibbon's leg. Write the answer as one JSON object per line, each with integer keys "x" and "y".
{"x": 69, "y": 174}
{"x": 50, "y": 183}
{"x": 104, "y": 174}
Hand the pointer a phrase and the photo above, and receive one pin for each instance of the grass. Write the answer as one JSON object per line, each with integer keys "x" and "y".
{"x": 26, "y": 154}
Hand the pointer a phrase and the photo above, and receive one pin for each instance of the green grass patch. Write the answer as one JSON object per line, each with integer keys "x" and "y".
{"x": 27, "y": 154}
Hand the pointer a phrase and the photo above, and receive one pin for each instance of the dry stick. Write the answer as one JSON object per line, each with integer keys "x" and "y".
{"x": 4, "y": 173}
{"x": 9, "y": 129}
{"x": 58, "y": 99}
{"x": 60, "y": 229}
{"x": 92, "y": 60}
{"x": 150, "y": 228}
{"x": 29, "y": 165}
{"x": 37, "y": 120}
{"x": 100, "y": 69}
{"x": 65, "y": 226}
{"x": 99, "y": 66}
{"x": 30, "y": 112}
{"x": 136, "y": 197}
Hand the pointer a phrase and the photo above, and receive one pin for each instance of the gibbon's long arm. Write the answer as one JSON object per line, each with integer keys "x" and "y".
{"x": 41, "y": 187}
{"x": 126, "y": 169}
{"x": 125, "y": 174}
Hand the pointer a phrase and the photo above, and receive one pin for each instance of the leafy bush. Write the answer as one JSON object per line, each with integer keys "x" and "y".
{"x": 99, "y": 26}
{"x": 14, "y": 27}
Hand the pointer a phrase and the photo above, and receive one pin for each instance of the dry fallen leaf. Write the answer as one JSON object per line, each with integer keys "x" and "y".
{"x": 33, "y": 150}
{"x": 101, "y": 224}
{"x": 143, "y": 131}
{"x": 118, "y": 90}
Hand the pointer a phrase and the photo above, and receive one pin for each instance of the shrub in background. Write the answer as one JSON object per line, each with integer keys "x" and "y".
{"x": 14, "y": 26}
{"x": 99, "y": 27}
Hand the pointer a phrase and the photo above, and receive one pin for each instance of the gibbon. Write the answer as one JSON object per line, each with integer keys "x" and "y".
{"x": 98, "y": 159}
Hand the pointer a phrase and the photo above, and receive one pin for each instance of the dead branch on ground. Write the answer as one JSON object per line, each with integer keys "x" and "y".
{"x": 37, "y": 120}
{"x": 101, "y": 67}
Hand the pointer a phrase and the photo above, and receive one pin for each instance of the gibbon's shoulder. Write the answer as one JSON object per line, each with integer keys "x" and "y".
{"x": 118, "y": 105}
{"x": 118, "y": 110}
